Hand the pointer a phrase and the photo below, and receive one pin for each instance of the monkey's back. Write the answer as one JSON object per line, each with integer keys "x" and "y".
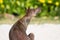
{"x": 16, "y": 34}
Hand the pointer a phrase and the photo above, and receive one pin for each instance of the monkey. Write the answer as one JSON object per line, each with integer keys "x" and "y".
{"x": 18, "y": 30}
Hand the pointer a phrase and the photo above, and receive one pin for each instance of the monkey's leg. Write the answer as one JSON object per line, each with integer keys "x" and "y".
{"x": 31, "y": 36}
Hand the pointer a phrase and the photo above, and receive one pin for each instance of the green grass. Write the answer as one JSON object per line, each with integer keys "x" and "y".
{"x": 33, "y": 21}
{"x": 7, "y": 21}
{"x": 41, "y": 21}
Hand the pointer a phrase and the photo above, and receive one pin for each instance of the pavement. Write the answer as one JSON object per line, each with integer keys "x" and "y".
{"x": 41, "y": 31}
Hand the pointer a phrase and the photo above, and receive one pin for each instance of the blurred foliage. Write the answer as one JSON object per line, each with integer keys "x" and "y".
{"x": 49, "y": 7}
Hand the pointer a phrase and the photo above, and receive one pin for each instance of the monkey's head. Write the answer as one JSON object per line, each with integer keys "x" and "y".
{"x": 33, "y": 12}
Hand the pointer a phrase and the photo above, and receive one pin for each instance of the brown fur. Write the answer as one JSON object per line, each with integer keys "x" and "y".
{"x": 18, "y": 31}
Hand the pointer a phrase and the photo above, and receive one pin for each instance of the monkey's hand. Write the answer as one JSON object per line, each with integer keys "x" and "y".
{"x": 31, "y": 36}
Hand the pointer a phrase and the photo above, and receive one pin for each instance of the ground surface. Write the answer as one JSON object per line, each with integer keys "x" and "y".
{"x": 41, "y": 31}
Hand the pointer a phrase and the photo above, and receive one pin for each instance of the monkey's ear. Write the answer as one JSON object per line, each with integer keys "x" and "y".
{"x": 27, "y": 10}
